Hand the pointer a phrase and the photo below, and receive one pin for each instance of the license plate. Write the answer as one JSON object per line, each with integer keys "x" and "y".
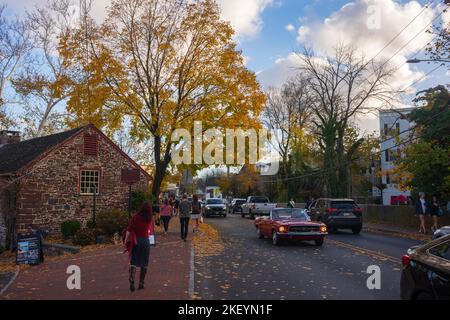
{"x": 346, "y": 214}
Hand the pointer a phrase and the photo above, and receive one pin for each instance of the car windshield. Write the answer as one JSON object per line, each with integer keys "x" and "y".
{"x": 259, "y": 200}
{"x": 290, "y": 214}
{"x": 214, "y": 201}
{"x": 239, "y": 202}
{"x": 343, "y": 205}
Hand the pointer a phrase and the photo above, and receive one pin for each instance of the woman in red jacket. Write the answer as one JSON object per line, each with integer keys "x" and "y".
{"x": 138, "y": 234}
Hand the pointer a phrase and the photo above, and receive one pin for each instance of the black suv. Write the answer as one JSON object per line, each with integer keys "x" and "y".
{"x": 338, "y": 214}
{"x": 426, "y": 271}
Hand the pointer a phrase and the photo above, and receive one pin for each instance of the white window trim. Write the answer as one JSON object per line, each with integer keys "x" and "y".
{"x": 99, "y": 182}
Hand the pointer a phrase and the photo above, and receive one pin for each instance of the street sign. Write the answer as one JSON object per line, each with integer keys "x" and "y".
{"x": 29, "y": 250}
{"x": 131, "y": 175}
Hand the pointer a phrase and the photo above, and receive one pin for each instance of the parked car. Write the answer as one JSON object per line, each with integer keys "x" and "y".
{"x": 214, "y": 207}
{"x": 235, "y": 206}
{"x": 290, "y": 224}
{"x": 338, "y": 214}
{"x": 426, "y": 271}
{"x": 257, "y": 206}
{"x": 442, "y": 232}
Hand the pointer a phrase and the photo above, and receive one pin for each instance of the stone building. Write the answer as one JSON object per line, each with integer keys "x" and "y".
{"x": 48, "y": 180}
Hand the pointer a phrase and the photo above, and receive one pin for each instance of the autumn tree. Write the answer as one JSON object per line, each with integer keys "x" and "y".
{"x": 163, "y": 64}
{"x": 344, "y": 84}
{"x": 14, "y": 46}
{"x": 43, "y": 85}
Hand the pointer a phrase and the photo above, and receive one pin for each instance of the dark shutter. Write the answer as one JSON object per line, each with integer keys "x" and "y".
{"x": 90, "y": 144}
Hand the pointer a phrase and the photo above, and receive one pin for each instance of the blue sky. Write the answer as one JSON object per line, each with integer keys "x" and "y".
{"x": 262, "y": 36}
{"x": 274, "y": 41}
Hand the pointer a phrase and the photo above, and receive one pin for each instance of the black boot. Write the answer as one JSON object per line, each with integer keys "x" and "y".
{"x": 132, "y": 277}
{"x": 142, "y": 278}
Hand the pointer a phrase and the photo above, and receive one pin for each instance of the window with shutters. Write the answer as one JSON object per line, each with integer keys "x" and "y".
{"x": 90, "y": 145}
{"x": 89, "y": 182}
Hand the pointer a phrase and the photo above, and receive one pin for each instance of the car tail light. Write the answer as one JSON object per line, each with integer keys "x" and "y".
{"x": 406, "y": 260}
{"x": 359, "y": 210}
{"x": 332, "y": 210}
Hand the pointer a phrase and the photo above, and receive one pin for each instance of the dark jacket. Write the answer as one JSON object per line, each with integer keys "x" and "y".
{"x": 419, "y": 209}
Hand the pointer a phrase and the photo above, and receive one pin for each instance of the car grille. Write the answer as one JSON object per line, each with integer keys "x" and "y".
{"x": 304, "y": 229}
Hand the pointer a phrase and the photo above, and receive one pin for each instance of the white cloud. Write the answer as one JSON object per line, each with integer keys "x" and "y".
{"x": 351, "y": 24}
{"x": 290, "y": 28}
{"x": 244, "y": 15}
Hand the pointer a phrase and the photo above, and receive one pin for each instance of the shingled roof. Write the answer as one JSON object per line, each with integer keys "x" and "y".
{"x": 17, "y": 155}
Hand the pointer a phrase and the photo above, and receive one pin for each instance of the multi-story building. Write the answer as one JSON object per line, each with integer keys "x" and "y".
{"x": 396, "y": 131}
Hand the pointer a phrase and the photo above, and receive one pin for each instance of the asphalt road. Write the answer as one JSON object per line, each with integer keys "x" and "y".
{"x": 252, "y": 269}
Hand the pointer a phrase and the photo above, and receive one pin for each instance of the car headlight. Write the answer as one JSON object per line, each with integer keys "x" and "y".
{"x": 323, "y": 229}
{"x": 282, "y": 229}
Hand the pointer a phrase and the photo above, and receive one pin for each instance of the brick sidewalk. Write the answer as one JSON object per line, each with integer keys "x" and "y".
{"x": 104, "y": 274}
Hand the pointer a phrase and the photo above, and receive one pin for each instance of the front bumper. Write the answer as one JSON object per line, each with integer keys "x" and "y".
{"x": 301, "y": 235}
{"x": 215, "y": 212}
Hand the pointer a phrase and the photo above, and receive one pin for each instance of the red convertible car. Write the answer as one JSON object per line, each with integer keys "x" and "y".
{"x": 290, "y": 224}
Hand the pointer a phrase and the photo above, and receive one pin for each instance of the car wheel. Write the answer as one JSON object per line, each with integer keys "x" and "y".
{"x": 259, "y": 233}
{"x": 275, "y": 239}
{"x": 424, "y": 296}
{"x": 356, "y": 231}
{"x": 319, "y": 242}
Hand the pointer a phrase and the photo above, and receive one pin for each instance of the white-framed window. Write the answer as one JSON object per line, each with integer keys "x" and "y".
{"x": 89, "y": 182}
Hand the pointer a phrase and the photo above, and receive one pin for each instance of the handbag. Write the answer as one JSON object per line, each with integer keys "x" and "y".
{"x": 152, "y": 235}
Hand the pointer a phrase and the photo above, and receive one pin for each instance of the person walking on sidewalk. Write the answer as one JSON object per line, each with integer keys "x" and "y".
{"x": 196, "y": 212}
{"x": 421, "y": 211}
{"x": 185, "y": 215}
{"x": 435, "y": 213}
{"x": 138, "y": 243}
{"x": 166, "y": 212}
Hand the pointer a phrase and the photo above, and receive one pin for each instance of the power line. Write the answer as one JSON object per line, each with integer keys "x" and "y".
{"x": 401, "y": 31}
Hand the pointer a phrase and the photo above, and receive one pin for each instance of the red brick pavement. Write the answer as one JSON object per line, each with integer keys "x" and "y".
{"x": 104, "y": 275}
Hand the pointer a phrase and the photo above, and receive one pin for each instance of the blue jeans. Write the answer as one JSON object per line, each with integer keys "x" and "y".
{"x": 184, "y": 222}
{"x": 166, "y": 221}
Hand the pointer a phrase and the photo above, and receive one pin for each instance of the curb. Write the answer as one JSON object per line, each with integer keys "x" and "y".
{"x": 191, "y": 276}
{"x": 11, "y": 281}
{"x": 398, "y": 233}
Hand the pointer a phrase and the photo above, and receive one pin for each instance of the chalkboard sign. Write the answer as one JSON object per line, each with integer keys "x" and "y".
{"x": 29, "y": 249}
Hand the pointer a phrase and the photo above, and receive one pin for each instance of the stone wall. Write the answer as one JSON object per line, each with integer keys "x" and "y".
{"x": 3, "y": 183}
{"x": 401, "y": 216}
{"x": 50, "y": 195}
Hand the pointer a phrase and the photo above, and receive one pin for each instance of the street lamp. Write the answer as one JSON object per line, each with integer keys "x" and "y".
{"x": 427, "y": 60}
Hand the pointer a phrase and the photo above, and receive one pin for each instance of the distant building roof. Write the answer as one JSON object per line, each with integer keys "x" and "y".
{"x": 14, "y": 156}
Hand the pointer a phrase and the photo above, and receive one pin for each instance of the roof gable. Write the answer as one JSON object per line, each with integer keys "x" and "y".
{"x": 15, "y": 156}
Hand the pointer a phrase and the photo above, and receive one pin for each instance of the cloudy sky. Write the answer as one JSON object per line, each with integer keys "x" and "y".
{"x": 269, "y": 31}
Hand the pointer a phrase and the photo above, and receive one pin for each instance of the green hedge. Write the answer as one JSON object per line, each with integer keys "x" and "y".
{"x": 70, "y": 228}
{"x": 138, "y": 198}
{"x": 112, "y": 221}
{"x": 84, "y": 237}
